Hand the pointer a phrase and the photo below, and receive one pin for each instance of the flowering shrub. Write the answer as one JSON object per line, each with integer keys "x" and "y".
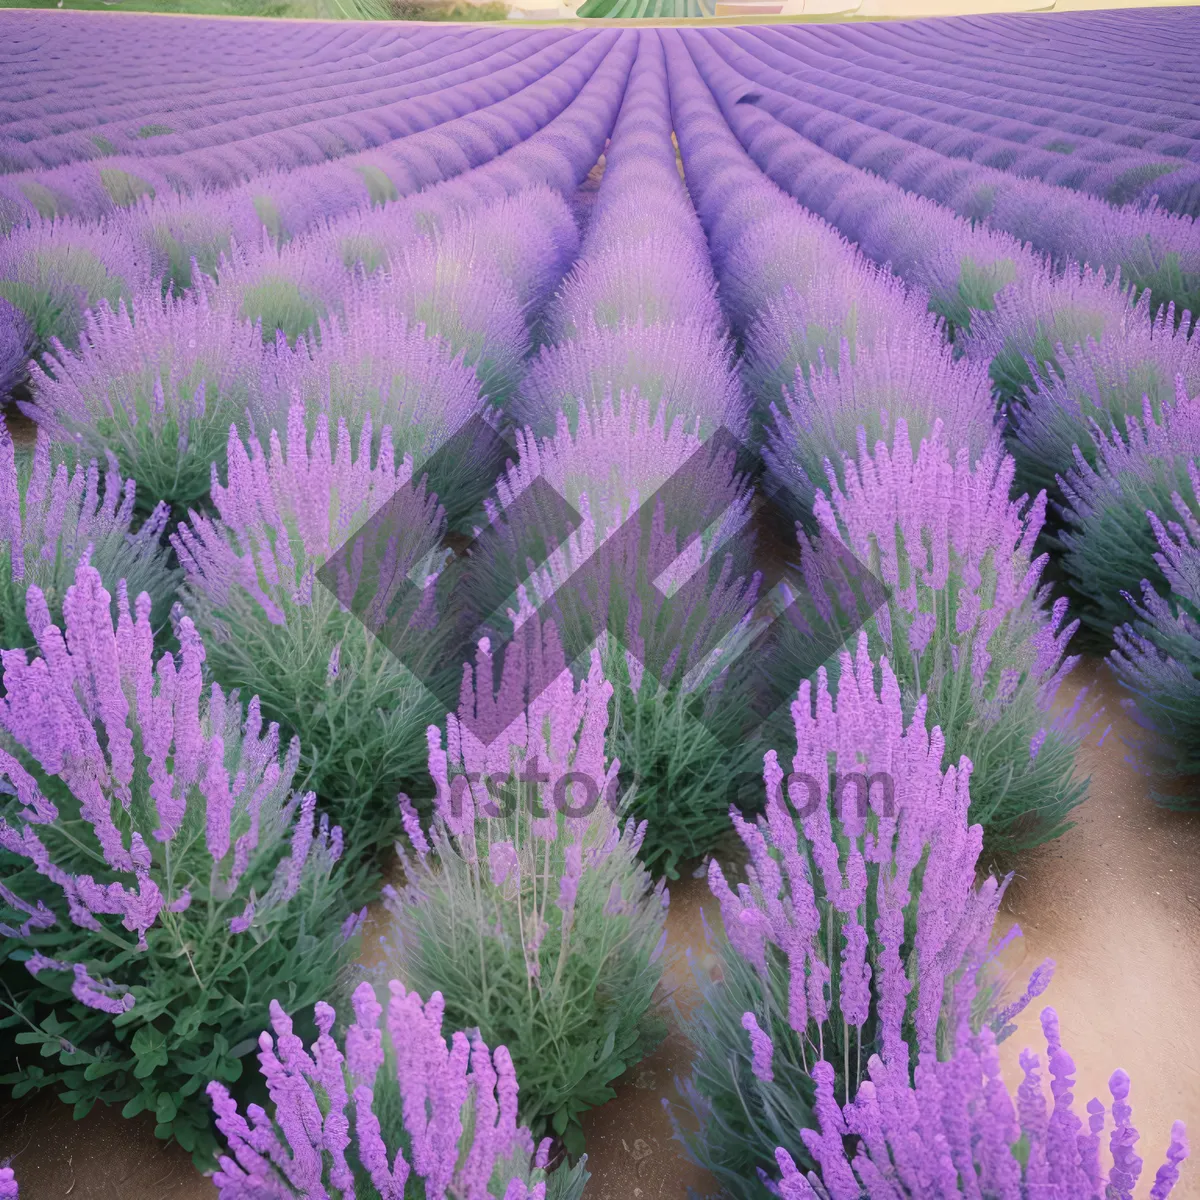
{"x": 906, "y": 375}
{"x": 957, "y": 1131}
{"x": 157, "y": 383}
{"x": 611, "y": 468}
{"x": 272, "y": 629}
{"x": 284, "y": 290}
{"x": 49, "y": 521}
{"x": 1102, "y": 382}
{"x": 853, "y": 303}
{"x": 160, "y": 880}
{"x": 859, "y": 931}
{"x": 1157, "y": 657}
{"x": 966, "y": 623}
{"x": 54, "y": 271}
{"x": 465, "y": 300}
{"x": 1045, "y": 313}
{"x": 400, "y": 1114}
{"x": 534, "y": 919}
{"x": 682, "y": 369}
{"x": 376, "y": 365}
{"x": 16, "y": 343}
{"x": 1109, "y": 548}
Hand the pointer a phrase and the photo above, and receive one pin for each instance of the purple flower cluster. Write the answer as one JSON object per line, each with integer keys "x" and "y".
{"x": 8, "y": 1184}
{"x": 529, "y": 882}
{"x": 457, "y": 1133}
{"x": 639, "y": 309}
{"x": 157, "y": 383}
{"x": 54, "y": 271}
{"x": 958, "y": 558}
{"x": 906, "y": 376}
{"x": 1108, "y": 545}
{"x": 811, "y": 882}
{"x": 1157, "y": 657}
{"x": 1102, "y": 381}
{"x": 51, "y": 519}
{"x": 955, "y": 1130}
{"x": 140, "y": 753}
{"x": 272, "y": 628}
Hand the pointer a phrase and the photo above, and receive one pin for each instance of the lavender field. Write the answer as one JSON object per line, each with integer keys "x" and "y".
{"x": 565, "y": 592}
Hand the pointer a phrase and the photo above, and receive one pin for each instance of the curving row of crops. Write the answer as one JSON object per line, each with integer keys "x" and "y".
{"x": 476, "y": 474}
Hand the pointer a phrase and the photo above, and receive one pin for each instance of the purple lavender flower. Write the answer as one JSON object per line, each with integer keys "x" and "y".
{"x": 283, "y": 290}
{"x": 800, "y": 962}
{"x": 141, "y": 814}
{"x": 270, "y": 627}
{"x": 852, "y": 301}
{"x": 299, "y": 1149}
{"x": 1108, "y": 542}
{"x": 680, "y": 367}
{"x": 906, "y": 375}
{"x": 534, "y": 878}
{"x": 1043, "y": 316}
{"x": 958, "y": 557}
{"x": 1157, "y": 657}
{"x": 157, "y": 384}
{"x": 1103, "y": 382}
{"x": 50, "y": 520}
{"x": 951, "y": 1134}
{"x": 54, "y": 271}
{"x": 16, "y": 344}
{"x": 375, "y": 364}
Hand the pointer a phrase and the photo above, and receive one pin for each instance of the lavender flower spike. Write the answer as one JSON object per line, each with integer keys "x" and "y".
{"x": 527, "y": 835}
{"x": 50, "y": 519}
{"x": 406, "y": 1067}
{"x": 953, "y": 1132}
{"x": 141, "y": 810}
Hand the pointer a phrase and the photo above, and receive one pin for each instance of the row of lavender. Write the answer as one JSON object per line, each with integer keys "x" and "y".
{"x": 389, "y": 342}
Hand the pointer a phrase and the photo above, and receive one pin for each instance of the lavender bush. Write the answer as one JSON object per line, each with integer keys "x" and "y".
{"x": 966, "y": 623}
{"x": 16, "y": 344}
{"x": 50, "y": 519}
{"x": 465, "y": 300}
{"x": 1102, "y": 382}
{"x": 852, "y": 302}
{"x": 284, "y": 290}
{"x": 957, "y": 1130}
{"x": 1108, "y": 546}
{"x": 400, "y": 1113}
{"x": 273, "y": 630}
{"x": 667, "y": 666}
{"x": 54, "y": 271}
{"x": 1157, "y": 656}
{"x": 157, "y": 384}
{"x": 680, "y": 367}
{"x": 527, "y": 908}
{"x": 906, "y": 375}
{"x": 1044, "y": 314}
{"x": 160, "y": 878}
{"x": 859, "y": 931}
{"x": 376, "y": 366}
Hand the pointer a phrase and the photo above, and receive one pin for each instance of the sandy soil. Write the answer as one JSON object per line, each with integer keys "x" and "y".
{"x": 1115, "y": 902}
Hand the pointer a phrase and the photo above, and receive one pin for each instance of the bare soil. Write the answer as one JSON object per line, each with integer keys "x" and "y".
{"x": 1115, "y": 902}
